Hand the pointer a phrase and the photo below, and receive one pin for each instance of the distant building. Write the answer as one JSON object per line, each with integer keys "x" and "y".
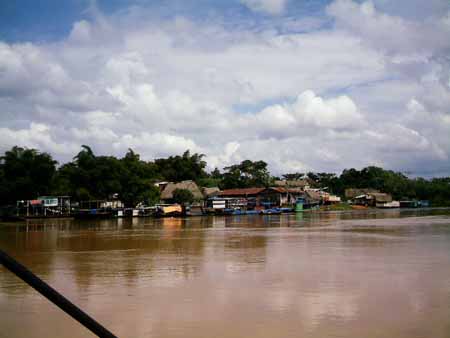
{"x": 209, "y": 192}
{"x": 259, "y": 198}
{"x": 45, "y": 206}
{"x": 313, "y": 196}
{"x": 373, "y": 199}
{"x": 169, "y": 188}
{"x": 351, "y": 193}
{"x": 247, "y": 198}
{"x": 302, "y": 183}
{"x": 327, "y": 198}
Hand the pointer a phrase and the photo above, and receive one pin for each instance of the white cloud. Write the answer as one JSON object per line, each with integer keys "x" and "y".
{"x": 393, "y": 34}
{"x": 335, "y": 113}
{"x": 158, "y": 144}
{"x": 36, "y": 136}
{"x": 273, "y": 7}
{"x": 81, "y": 32}
{"x": 308, "y": 113}
{"x": 373, "y": 87}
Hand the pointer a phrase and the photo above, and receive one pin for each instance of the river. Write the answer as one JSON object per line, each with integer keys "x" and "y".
{"x": 343, "y": 274}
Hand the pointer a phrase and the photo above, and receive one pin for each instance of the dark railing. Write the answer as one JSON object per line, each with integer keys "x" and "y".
{"x": 54, "y": 296}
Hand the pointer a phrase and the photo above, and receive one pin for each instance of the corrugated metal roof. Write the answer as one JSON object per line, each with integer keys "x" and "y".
{"x": 241, "y": 192}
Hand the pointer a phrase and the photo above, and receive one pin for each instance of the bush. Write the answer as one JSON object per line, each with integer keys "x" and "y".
{"x": 183, "y": 196}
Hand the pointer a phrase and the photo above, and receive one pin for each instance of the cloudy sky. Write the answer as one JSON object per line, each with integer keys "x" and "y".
{"x": 301, "y": 84}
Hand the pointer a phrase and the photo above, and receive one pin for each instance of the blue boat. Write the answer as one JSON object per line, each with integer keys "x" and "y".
{"x": 287, "y": 210}
{"x": 272, "y": 211}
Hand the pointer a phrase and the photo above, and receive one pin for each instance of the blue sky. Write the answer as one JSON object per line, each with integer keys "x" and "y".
{"x": 50, "y": 20}
{"x": 304, "y": 85}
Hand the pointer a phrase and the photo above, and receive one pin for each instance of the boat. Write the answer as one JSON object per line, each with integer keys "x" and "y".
{"x": 388, "y": 205}
{"x": 287, "y": 210}
{"x": 167, "y": 210}
{"x": 93, "y": 214}
{"x": 194, "y": 211}
{"x": 271, "y": 211}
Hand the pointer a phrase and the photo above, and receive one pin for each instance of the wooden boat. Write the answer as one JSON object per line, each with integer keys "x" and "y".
{"x": 167, "y": 210}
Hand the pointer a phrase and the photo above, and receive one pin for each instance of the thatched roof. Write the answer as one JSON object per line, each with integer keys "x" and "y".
{"x": 381, "y": 197}
{"x": 352, "y": 192}
{"x": 210, "y": 191}
{"x": 167, "y": 193}
{"x": 293, "y": 183}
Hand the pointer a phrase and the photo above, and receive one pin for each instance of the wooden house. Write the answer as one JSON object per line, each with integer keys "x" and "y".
{"x": 260, "y": 198}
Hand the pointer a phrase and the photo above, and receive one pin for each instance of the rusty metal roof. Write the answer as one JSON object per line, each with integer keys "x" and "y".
{"x": 241, "y": 192}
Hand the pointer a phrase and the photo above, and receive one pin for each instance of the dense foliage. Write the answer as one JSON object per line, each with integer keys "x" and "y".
{"x": 28, "y": 173}
{"x": 182, "y": 168}
{"x": 183, "y": 196}
{"x": 99, "y": 177}
{"x": 24, "y": 174}
{"x": 246, "y": 174}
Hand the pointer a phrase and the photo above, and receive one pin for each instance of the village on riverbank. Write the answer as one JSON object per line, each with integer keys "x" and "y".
{"x": 90, "y": 186}
{"x": 186, "y": 198}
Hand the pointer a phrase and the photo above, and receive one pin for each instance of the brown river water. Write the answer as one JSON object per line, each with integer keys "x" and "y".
{"x": 344, "y": 274}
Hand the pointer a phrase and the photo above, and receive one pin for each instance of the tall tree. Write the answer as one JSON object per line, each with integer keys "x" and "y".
{"x": 25, "y": 174}
{"x": 137, "y": 181}
{"x": 181, "y": 168}
{"x": 246, "y": 174}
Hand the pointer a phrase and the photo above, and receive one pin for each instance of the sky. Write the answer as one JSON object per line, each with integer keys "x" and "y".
{"x": 305, "y": 85}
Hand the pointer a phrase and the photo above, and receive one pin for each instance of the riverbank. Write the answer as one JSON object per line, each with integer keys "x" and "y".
{"x": 306, "y": 214}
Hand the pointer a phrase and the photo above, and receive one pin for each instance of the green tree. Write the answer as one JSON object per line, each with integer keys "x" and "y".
{"x": 246, "y": 174}
{"x": 137, "y": 181}
{"x": 183, "y": 196}
{"x": 25, "y": 174}
{"x": 181, "y": 168}
{"x": 96, "y": 177}
{"x": 99, "y": 177}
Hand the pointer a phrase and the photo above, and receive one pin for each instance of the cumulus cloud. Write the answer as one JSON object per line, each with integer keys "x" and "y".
{"x": 37, "y": 136}
{"x": 372, "y": 87}
{"x": 308, "y": 111}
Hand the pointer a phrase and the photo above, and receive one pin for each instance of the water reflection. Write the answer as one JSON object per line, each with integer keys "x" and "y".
{"x": 309, "y": 274}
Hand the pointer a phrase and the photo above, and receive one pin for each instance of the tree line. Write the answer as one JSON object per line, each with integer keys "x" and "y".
{"x": 28, "y": 173}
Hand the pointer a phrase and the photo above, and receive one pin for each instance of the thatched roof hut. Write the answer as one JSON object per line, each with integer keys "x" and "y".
{"x": 351, "y": 193}
{"x": 167, "y": 193}
{"x": 381, "y": 197}
{"x": 302, "y": 183}
{"x": 213, "y": 191}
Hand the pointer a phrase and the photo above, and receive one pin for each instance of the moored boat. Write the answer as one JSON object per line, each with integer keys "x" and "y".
{"x": 167, "y": 210}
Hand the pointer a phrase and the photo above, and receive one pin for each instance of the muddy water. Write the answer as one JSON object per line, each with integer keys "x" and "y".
{"x": 360, "y": 274}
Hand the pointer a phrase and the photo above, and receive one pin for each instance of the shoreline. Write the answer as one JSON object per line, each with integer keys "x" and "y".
{"x": 369, "y": 210}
